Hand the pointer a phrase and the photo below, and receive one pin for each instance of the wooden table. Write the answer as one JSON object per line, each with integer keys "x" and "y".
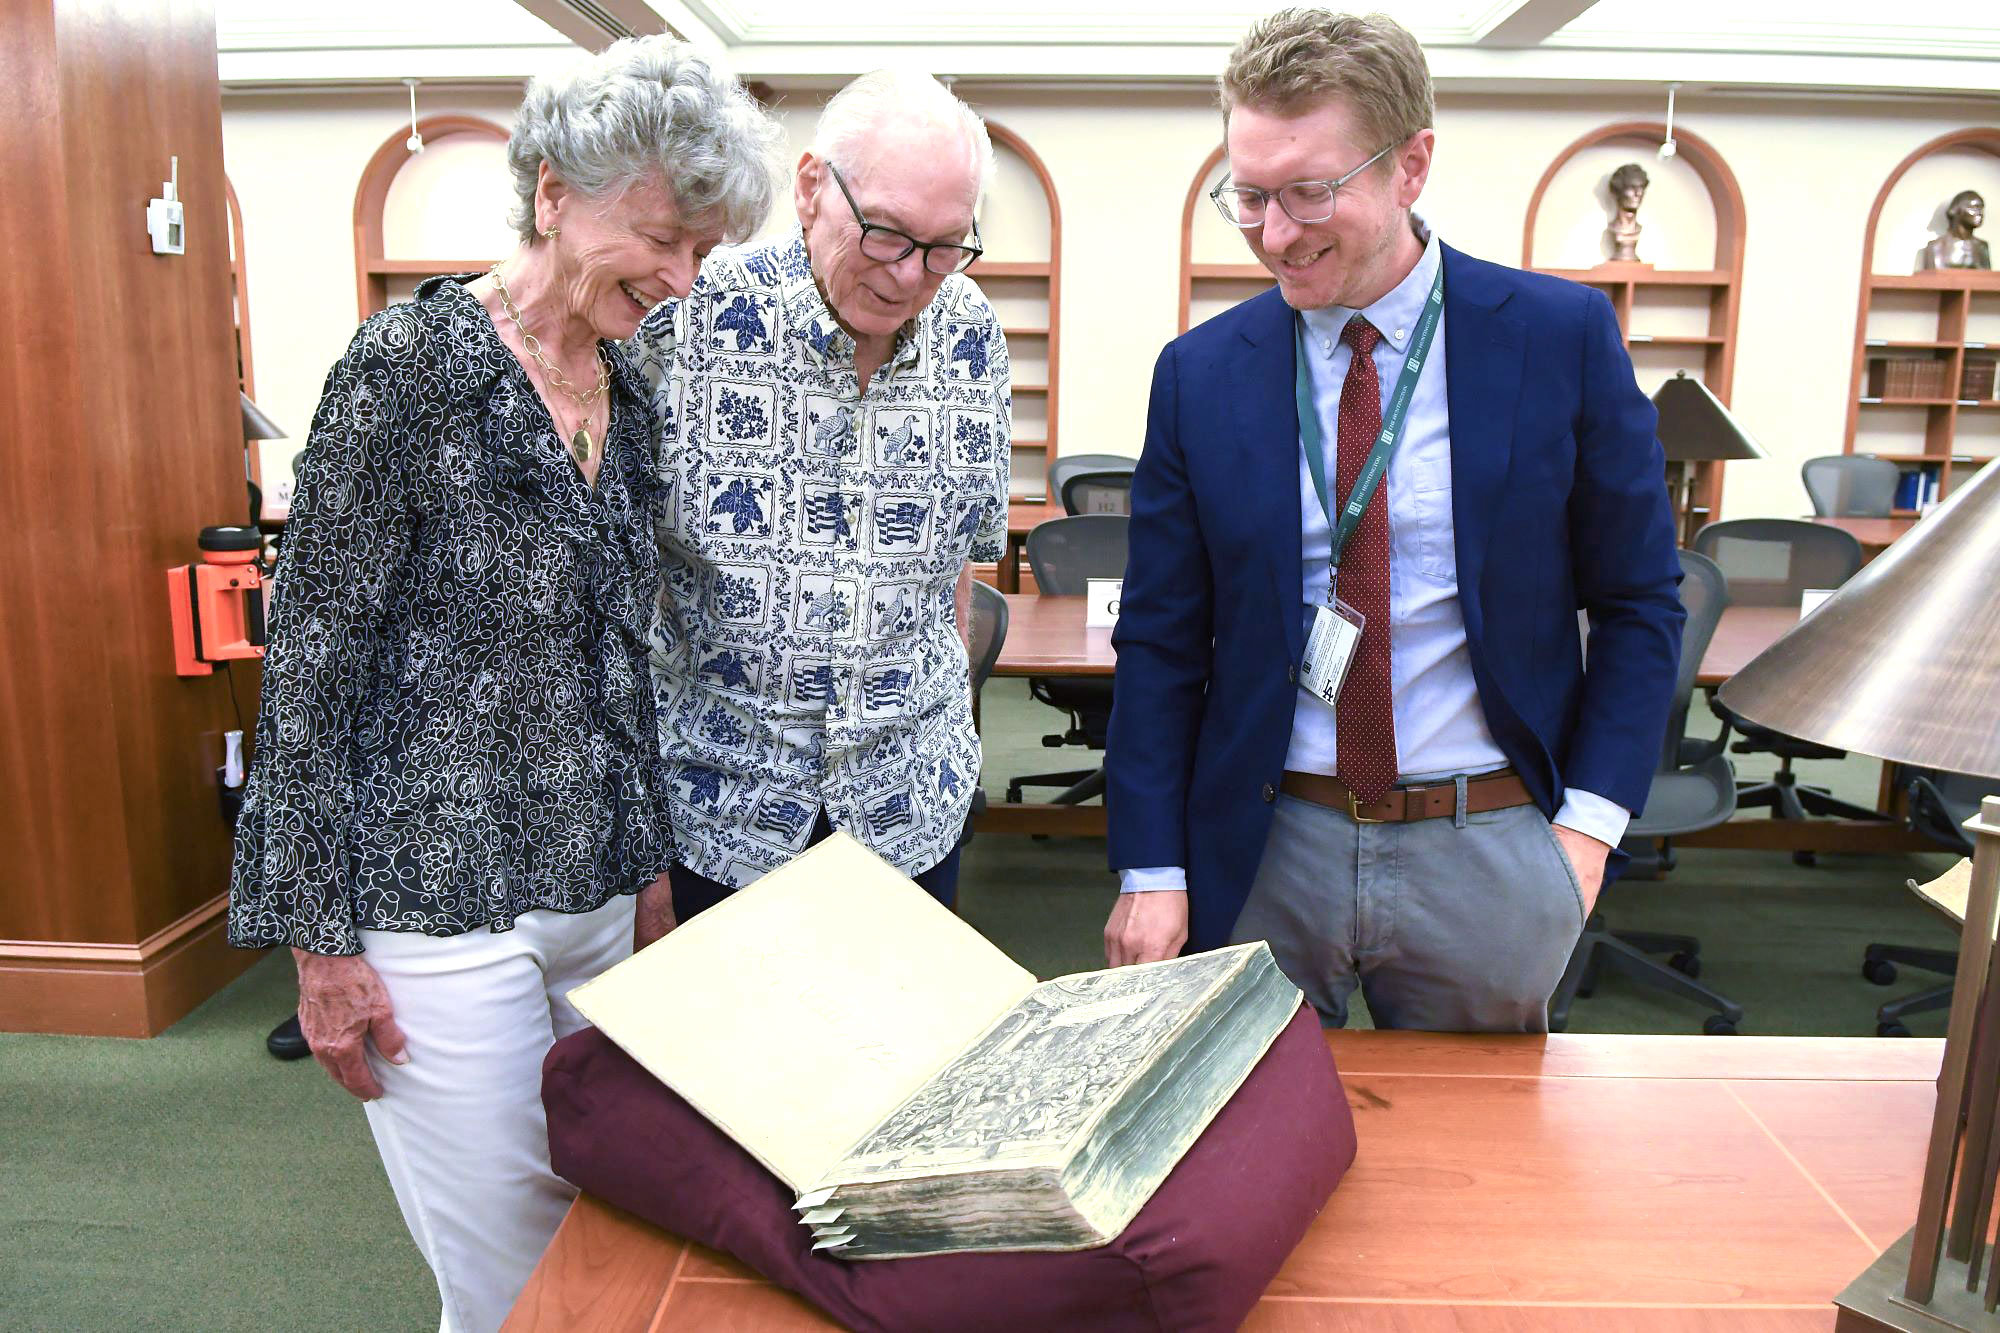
{"x": 1553, "y": 1184}
{"x": 1046, "y": 636}
{"x": 1875, "y": 534}
{"x": 1022, "y": 517}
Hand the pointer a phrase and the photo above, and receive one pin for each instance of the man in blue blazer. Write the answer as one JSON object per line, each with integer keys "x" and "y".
{"x": 1432, "y": 821}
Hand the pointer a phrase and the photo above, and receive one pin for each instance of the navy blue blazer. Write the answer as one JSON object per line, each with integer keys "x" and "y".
{"x": 1558, "y": 503}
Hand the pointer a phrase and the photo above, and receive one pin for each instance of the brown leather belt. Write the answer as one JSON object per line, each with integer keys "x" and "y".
{"x": 1488, "y": 791}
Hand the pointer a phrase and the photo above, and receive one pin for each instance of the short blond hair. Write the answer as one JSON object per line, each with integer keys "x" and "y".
{"x": 1299, "y": 57}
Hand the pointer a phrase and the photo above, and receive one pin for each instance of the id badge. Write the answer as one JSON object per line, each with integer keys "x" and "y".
{"x": 1336, "y": 633}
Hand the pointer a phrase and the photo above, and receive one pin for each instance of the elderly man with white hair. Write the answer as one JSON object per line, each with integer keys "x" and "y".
{"x": 835, "y": 408}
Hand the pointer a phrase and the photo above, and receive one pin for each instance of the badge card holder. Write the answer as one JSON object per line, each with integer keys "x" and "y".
{"x": 1330, "y": 646}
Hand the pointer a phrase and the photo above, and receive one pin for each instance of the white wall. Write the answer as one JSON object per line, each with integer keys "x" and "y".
{"x": 1122, "y": 162}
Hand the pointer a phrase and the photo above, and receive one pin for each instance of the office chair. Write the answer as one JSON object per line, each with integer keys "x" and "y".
{"x": 1066, "y": 553}
{"x": 1692, "y": 789}
{"x": 1106, "y": 492}
{"x": 1066, "y": 466}
{"x": 1770, "y": 562}
{"x": 1940, "y": 803}
{"x": 1851, "y": 485}
{"x": 989, "y": 633}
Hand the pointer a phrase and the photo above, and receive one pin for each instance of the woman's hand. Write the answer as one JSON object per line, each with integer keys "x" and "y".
{"x": 654, "y": 916}
{"x": 343, "y": 1005}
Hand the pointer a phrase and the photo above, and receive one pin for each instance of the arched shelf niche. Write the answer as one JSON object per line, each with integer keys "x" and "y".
{"x": 1938, "y": 420}
{"x": 1674, "y": 319}
{"x": 1209, "y": 283}
{"x": 380, "y": 276}
{"x": 1021, "y": 274}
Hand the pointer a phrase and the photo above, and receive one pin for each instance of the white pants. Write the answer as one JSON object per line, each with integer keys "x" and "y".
{"x": 460, "y": 1126}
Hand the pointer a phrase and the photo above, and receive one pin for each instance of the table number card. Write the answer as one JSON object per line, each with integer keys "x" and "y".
{"x": 1100, "y": 602}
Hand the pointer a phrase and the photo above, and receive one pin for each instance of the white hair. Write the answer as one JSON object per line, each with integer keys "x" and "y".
{"x": 906, "y": 96}
{"x": 646, "y": 108}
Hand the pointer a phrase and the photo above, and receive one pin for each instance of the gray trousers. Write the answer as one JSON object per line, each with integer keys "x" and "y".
{"x": 1444, "y": 928}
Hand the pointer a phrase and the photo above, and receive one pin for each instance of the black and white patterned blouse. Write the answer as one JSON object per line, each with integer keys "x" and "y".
{"x": 457, "y": 723}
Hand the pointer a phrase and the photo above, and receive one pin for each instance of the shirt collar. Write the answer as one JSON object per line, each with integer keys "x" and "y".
{"x": 1395, "y": 314}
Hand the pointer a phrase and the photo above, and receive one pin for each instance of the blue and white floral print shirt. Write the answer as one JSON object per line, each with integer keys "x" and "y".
{"x": 807, "y": 654}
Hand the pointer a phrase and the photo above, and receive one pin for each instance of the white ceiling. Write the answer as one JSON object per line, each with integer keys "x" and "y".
{"x": 1756, "y": 46}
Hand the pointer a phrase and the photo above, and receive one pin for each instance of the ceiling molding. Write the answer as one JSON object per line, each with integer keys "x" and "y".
{"x": 1526, "y": 22}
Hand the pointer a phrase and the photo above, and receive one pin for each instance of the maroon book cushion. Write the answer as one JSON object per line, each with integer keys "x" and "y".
{"x": 1197, "y": 1256}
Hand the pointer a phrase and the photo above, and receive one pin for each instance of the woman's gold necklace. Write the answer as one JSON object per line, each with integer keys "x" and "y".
{"x": 580, "y": 444}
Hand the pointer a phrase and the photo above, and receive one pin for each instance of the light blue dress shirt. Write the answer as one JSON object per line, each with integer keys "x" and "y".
{"x": 1440, "y": 728}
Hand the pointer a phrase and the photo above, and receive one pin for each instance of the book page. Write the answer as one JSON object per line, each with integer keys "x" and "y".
{"x": 1035, "y": 1080}
{"x": 802, "y": 1009}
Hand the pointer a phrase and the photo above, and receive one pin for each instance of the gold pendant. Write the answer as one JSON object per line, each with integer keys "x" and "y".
{"x": 579, "y": 444}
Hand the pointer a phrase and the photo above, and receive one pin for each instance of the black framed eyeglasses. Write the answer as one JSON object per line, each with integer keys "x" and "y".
{"x": 1304, "y": 202}
{"x": 886, "y": 245}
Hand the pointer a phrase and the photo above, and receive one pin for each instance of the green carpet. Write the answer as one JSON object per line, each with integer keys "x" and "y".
{"x": 191, "y": 1182}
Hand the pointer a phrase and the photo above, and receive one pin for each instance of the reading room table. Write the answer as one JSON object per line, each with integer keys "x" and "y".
{"x": 1507, "y": 1183}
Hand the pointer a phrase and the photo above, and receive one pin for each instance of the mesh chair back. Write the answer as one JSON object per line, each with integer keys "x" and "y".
{"x": 1770, "y": 561}
{"x": 1098, "y": 492}
{"x": 989, "y": 629}
{"x": 1704, "y": 595}
{"x": 1066, "y": 553}
{"x": 1851, "y": 485}
{"x": 1066, "y": 466}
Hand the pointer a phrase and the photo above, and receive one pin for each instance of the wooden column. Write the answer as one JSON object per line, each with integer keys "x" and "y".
{"x": 119, "y": 440}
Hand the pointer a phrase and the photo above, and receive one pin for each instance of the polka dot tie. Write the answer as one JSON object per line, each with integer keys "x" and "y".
{"x": 1365, "y": 716}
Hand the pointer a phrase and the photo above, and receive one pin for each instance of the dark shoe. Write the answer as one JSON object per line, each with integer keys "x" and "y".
{"x": 286, "y": 1041}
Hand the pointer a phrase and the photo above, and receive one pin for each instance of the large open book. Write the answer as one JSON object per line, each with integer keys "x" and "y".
{"x": 917, "y": 1089}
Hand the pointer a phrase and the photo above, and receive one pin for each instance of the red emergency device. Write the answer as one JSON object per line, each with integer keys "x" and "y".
{"x": 218, "y": 604}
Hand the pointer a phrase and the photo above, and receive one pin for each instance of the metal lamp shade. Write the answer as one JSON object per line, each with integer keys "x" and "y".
{"x": 257, "y": 426}
{"x": 1695, "y": 427}
{"x": 1903, "y": 662}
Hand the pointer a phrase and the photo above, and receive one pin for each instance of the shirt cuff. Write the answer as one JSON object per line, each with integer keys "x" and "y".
{"x": 1595, "y": 816}
{"x": 1153, "y": 879}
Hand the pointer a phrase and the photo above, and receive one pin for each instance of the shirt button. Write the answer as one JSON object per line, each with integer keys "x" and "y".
{"x": 1326, "y": 344}
{"x": 1270, "y": 792}
{"x": 1399, "y": 334}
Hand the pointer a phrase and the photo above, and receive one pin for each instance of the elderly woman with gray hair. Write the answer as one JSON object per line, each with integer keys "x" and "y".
{"x": 457, "y": 789}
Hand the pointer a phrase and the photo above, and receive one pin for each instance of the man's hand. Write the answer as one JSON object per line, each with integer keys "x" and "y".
{"x": 1586, "y": 856}
{"x": 1146, "y": 927}
{"x": 654, "y": 915}
{"x": 343, "y": 1005}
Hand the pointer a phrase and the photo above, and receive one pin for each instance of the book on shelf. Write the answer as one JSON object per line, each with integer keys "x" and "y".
{"x": 1906, "y": 377}
{"x": 1917, "y": 487}
{"x": 1976, "y": 382}
{"x": 919, "y": 1091}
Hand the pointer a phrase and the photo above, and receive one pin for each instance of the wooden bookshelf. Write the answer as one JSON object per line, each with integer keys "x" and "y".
{"x": 373, "y": 269}
{"x": 1030, "y": 285}
{"x": 1924, "y": 434}
{"x": 1216, "y": 281}
{"x": 1638, "y": 289}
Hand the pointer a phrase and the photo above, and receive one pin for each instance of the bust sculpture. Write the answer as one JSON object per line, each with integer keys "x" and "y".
{"x": 1628, "y": 190}
{"x": 1958, "y": 247}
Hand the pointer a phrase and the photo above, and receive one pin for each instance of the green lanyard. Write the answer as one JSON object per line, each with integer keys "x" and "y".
{"x": 1393, "y": 419}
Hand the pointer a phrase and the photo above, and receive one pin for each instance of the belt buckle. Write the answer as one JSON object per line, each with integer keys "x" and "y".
{"x": 1354, "y": 811}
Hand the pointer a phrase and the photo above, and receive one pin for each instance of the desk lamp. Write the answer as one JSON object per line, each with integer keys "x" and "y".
{"x": 1696, "y": 428}
{"x": 256, "y": 426}
{"x": 1903, "y": 663}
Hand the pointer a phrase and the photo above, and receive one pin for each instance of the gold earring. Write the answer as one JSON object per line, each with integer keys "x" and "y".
{"x": 551, "y": 233}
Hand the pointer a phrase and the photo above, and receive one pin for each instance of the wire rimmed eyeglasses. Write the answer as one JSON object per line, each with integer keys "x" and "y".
{"x": 886, "y": 245}
{"x": 1304, "y": 202}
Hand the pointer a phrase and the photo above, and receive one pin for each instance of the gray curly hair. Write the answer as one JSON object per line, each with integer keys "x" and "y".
{"x": 648, "y": 107}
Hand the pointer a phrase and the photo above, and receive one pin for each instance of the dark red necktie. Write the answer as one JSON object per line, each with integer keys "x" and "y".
{"x": 1365, "y": 717}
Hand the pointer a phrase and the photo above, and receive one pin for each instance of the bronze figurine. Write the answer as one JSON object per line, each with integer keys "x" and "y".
{"x": 1958, "y": 247}
{"x": 1628, "y": 190}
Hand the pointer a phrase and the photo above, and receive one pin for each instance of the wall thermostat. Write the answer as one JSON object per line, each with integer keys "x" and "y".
{"x": 164, "y": 219}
